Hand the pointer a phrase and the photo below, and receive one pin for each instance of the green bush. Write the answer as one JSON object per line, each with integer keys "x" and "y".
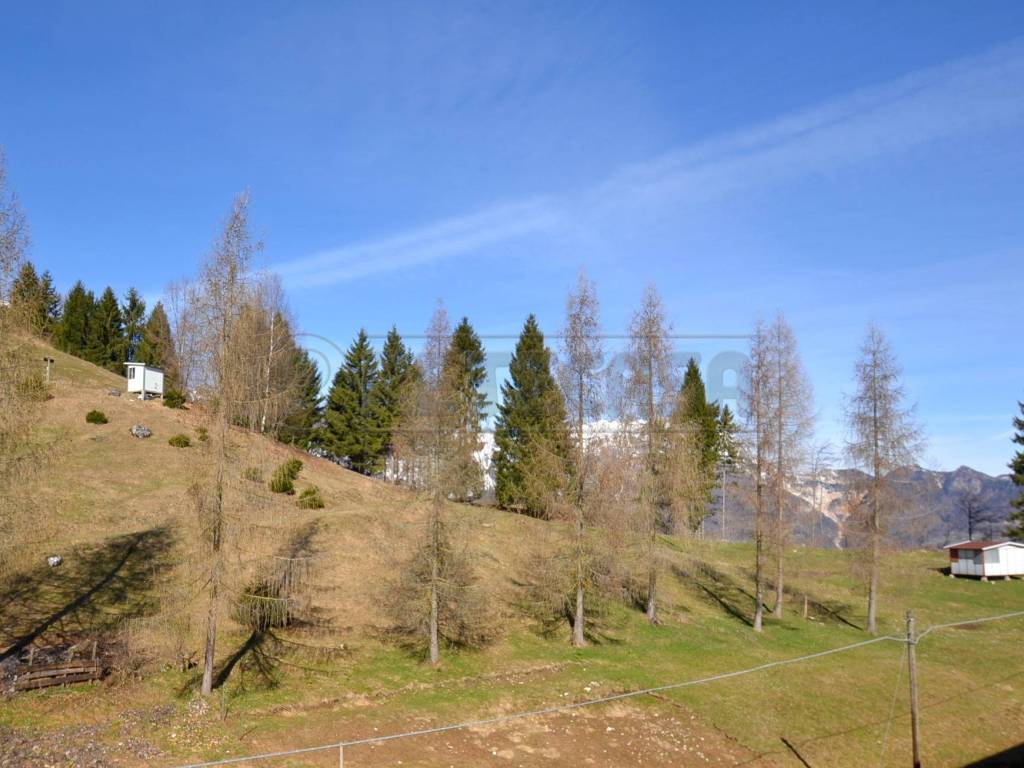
{"x": 285, "y": 476}
{"x": 174, "y": 398}
{"x": 180, "y": 441}
{"x": 310, "y": 499}
{"x": 203, "y": 434}
{"x": 282, "y": 481}
{"x": 96, "y": 417}
{"x": 252, "y": 474}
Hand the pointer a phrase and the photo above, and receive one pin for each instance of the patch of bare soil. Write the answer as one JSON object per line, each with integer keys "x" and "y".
{"x": 617, "y": 735}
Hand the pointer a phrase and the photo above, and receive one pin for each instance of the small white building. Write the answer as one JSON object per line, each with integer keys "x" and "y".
{"x": 147, "y": 380}
{"x": 986, "y": 559}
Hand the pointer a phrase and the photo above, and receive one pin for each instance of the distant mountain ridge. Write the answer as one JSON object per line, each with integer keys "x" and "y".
{"x": 930, "y": 513}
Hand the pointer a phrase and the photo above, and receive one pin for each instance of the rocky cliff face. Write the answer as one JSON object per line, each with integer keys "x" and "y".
{"x": 930, "y": 507}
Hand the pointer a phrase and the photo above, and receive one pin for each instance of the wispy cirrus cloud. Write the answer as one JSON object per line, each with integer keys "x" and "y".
{"x": 969, "y": 95}
{"x": 424, "y": 245}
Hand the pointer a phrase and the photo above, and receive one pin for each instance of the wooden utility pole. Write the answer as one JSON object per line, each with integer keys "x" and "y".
{"x": 915, "y": 720}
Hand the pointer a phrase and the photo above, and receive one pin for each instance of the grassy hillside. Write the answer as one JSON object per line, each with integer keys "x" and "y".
{"x": 116, "y": 510}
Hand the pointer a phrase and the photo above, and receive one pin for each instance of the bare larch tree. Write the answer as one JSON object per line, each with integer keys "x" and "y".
{"x": 883, "y": 437}
{"x": 433, "y": 456}
{"x": 754, "y": 404}
{"x": 229, "y": 315}
{"x": 649, "y": 393}
{"x": 790, "y": 422}
{"x": 20, "y": 382}
{"x": 582, "y": 356}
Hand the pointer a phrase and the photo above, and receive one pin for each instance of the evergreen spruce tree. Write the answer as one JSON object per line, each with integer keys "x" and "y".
{"x": 353, "y": 430}
{"x": 25, "y": 295}
{"x": 105, "y": 345}
{"x": 300, "y": 425}
{"x": 49, "y": 304}
{"x": 1016, "y": 529}
{"x": 156, "y": 346}
{"x": 530, "y": 429}
{"x": 36, "y": 298}
{"x": 397, "y": 367}
{"x": 464, "y": 367}
{"x": 728, "y": 429}
{"x": 72, "y": 334}
{"x": 694, "y": 414}
{"x": 133, "y": 313}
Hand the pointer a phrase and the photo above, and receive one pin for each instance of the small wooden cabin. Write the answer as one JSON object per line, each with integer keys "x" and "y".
{"x": 986, "y": 559}
{"x": 147, "y": 380}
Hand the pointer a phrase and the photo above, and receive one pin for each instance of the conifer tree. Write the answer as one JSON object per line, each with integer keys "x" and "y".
{"x": 49, "y": 304}
{"x": 73, "y": 331}
{"x": 397, "y": 367}
{"x": 300, "y": 423}
{"x": 353, "y": 432}
{"x": 105, "y": 345}
{"x": 728, "y": 429}
{"x": 697, "y": 417}
{"x": 1016, "y": 529}
{"x": 464, "y": 367}
{"x": 133, "y": 313}
{"x": 25, "y": 293}
{"x": 531, "y": 422}
{"x": 156, "y": 345}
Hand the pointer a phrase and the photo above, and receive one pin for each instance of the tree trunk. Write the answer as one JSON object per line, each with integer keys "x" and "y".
{"x": 873, "y": 585}
{"x": 578, "y": 639}
{"x": 780, "y": 491}
{"x": 209, "y": 652}
{"x": 652, "y": 589}
{"x": 758, "y": 555}
{"x": 435, "y": 654}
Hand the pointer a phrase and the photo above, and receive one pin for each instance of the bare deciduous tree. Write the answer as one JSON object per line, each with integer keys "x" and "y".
{"x": 790, "y": 423}
{"x": 974, "y": 512}
{"x": 433, "y": 456}
{"x": 649, "y": 394}
{"x": 20, "y": 381}
{"x": 582, "y": 356}
{"x": 230, "y": 345}
{"x": 755, "y": 407}
{"x": 883, "y": 437}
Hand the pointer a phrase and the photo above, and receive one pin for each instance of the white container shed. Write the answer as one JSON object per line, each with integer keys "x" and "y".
{"x": 986, "y": 559}
{"x": 147, "y": 380}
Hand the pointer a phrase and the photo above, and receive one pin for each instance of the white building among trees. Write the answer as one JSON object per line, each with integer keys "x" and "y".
{"x": 986, "y": 559}
{"x": 147, "y": 380}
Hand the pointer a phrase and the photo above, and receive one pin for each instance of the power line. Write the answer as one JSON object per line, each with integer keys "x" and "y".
{"x": 340, "y": 745}
{"x": 547, "y": 710}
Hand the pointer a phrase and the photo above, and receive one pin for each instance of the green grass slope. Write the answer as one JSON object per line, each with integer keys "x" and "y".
{"x": 116, "y": 508}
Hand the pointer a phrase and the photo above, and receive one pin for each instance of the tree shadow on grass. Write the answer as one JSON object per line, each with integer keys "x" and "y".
{"x": 257, "y": 658}
{"x": 90, "y": 593}
{"x": 719, "y": 589}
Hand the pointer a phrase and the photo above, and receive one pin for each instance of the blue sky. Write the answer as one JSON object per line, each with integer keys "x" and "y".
{"x": 840, "y": 164}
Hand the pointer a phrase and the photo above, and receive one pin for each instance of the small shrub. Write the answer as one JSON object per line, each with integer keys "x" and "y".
{"x": 203, "y": 434}
{"x": 282, "y": 481}
{"x": 180, "y": 441}
{"x": 310, "y": 499}
{"x": 96, "y": 417}
{"x": 253, "y": 474}
{"x": 174, "y": 398}
{"x": 285, "y": 476}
